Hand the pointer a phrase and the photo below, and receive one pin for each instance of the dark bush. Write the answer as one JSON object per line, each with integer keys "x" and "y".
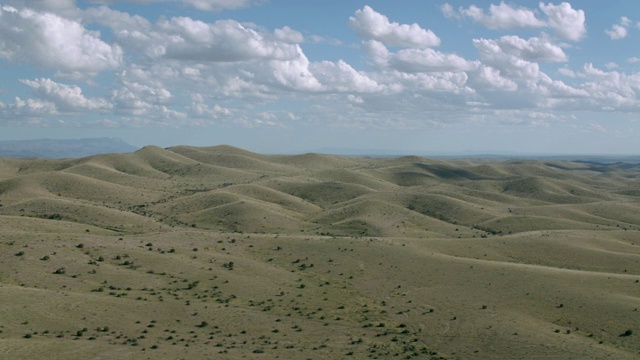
{"x": 628, "y": 332}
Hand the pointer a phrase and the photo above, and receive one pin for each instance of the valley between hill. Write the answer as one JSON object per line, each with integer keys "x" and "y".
{"x": 187, "y": 253}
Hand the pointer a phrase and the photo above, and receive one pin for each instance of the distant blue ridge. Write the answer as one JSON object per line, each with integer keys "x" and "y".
{"x": 67, "y": 148}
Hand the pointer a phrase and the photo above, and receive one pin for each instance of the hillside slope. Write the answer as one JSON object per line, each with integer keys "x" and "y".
{"x": 219, "y": 252}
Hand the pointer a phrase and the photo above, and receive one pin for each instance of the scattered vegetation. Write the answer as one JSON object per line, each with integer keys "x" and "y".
{"x": 176, "y": 253}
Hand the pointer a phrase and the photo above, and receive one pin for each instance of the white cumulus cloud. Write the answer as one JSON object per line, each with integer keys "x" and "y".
{"x": 193, "y": 71}
{"x": 491, "y": 78}
{"x": 501, "y": 16}
{"x": 139, "y": 96}
{"x": 617, "y": 32}
{"x": 567, "y": 22}
{"x": 53, "y": 42}
{"x": 532, "y": 49}
{"x": 415, "y": 60}
{"x": 620, "y": 30}
{"x": 371, "y": 25}
{"x": 340, "y": 76}
{"x": 512, "y": 66}
{"x": 565, "y": 71}
{"x": 288, "y": 35}
{"x": 51, "y": 99}
{"x": 199, "y": 109}
{"x": 217, "y": 5}
{"x": 612, "y": 89}
{"x": 66, "y": 98}
{"x": 295, "y": 73}
{"x": 206, "y": 5}
{"x": 448, "y": 11}
{"x": 187, "y": 39}
{"x": 225, "y": 40}
{"x": 29, "y": 110}
{"x": 66, "y": 8}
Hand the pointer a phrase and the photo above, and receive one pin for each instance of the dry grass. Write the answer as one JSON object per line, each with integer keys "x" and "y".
{"x": 222, "y": 253}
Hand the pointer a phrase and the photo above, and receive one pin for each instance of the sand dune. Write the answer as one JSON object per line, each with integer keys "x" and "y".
{"x": 219, "y": 252}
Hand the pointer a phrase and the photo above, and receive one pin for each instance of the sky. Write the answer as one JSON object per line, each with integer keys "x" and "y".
{"x": 291, "y": 76}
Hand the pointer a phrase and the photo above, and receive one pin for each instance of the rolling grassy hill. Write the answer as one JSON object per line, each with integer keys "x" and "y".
{"x": 223, "y": 253}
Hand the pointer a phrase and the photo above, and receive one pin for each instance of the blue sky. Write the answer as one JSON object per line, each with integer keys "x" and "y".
{"x": 521, "y": 77}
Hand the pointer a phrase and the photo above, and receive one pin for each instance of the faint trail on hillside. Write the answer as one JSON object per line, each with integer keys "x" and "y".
{"x": 538, "y": 267}
{"x": 446, "y": 327}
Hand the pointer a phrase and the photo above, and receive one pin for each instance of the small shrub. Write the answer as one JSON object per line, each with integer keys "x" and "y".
{"x": 628, "y": 332}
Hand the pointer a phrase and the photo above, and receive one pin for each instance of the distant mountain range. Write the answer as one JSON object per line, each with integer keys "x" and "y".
{"x": 56, "y": 149}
